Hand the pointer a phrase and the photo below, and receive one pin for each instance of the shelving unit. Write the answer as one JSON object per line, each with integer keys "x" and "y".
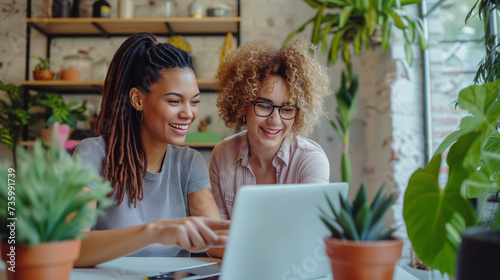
{"x": 89, "y": 86}
{"x": 53, "y": 28}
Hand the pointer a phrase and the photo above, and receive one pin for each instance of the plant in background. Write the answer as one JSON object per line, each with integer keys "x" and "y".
{"x": 489, "y": 67}
{"x": 51, "y": 203}
{"x": 42, "y": 69}
{"x": 357, "y": 22}
{"x": 43, "y": 63}
{"x": 337, "y": 25}
{"x": 474, "y": 171}
{"x": 347, "y": 99}
{"x": 14, "y": 115}
{"x": 61, "y": 112}
{"x": 360, "y": 221}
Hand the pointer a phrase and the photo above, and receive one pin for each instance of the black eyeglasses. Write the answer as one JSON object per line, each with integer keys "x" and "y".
{"x": 265, "y": 109}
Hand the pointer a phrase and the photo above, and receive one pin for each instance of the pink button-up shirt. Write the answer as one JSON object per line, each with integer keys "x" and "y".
{"x": 298, "y": 160}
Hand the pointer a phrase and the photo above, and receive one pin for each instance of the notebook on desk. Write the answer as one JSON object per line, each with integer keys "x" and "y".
{"x": 275, "y": 234}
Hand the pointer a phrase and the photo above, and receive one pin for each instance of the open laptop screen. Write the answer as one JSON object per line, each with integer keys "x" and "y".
{"x": 276, "y": 232}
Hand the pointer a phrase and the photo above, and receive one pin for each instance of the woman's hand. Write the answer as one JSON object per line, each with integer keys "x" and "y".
{"x": 194, "y": 234}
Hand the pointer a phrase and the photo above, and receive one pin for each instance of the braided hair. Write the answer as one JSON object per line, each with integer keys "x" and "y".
{"x": 137, "y": 63}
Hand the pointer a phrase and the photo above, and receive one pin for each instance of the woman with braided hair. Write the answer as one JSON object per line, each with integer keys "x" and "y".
{"x": 163, "y": 204}
{"x": 277, "y": 94}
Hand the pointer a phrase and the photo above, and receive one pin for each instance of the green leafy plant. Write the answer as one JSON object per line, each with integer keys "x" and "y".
{"x": 43, "y": 63}
{"x": 359, "y": 220}
{"x": 61, "y": 112}
{"x": 14, "y": 114}
{"x": 338, "y": 24}
{"x": 347, "y": 99}
{"x": 356, "y": 22}
{"x": 50, "y": 201}
{"x": 474, "y": 170}
{"x": 489, "y": 67}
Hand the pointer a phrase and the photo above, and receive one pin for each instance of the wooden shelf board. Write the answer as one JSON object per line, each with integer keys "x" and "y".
{"x": 114, "y": 26}
{"x": 91, "y": 86}
{"x": 31, "y": 143}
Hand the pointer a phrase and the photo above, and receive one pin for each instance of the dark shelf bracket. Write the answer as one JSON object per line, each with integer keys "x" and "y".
{"x": 169, "y": 29}
{"x": 103, "y": 32}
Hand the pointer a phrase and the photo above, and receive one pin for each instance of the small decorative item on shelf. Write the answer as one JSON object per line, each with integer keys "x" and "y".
{"x": 227, "y": 46}
{"x": 86, "y": 8}
{"x": 75, "y": 8}
{"x": 179, "y": 42}
{"x": 101, "y": 8}
{"x": 217, "y": 11}
{"x": 61, "y": 8}
{"x": 165, "y": 8}
{"x": 125, "y": 8}
{"x": 42, "y": 69}
{"x": 77, "y": 67}
{"x": 60, "y": 112}
{"x": 100, "y": 69}
{"x": 196, "y": 9}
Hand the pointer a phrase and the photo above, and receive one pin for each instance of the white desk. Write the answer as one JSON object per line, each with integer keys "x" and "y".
{"x": 134, "y": 268}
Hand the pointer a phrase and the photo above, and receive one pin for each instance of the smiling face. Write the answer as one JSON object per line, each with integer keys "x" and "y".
{"x": 269, "y": 132}
{"x": 170, "y": 107}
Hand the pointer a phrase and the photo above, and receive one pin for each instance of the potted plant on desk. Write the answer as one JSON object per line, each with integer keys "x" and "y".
{"x": 43, "y": 210}
{"x": 359, "y": 248}
{"x": 437, "y": 217}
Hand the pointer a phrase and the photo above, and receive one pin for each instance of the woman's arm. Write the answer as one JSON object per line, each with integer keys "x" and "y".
{"x": 191, "y": 233}
{"x": 215, "y": 182}
{"x": 202, "y": 203}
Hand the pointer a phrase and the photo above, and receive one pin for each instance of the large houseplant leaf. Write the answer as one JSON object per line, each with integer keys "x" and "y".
{"x": 436, "y": 218}
{"x": 431, "y": 213}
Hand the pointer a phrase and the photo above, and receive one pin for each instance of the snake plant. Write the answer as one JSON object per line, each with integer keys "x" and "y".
{"x": 359, "y": 220}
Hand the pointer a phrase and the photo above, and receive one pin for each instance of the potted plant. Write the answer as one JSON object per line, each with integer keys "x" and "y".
{"x": 60, "y": 112}
{"x": 474, "y": 163}
{"x": 339, "y": 24}
{"x": 42, "y": 69}
{"x": 14, "y": 114}
{"x": 360, "y": 247}
{"x": 44, "y": 209}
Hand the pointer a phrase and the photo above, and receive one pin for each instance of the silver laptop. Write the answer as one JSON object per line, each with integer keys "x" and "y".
{"x": 275, "y": 234}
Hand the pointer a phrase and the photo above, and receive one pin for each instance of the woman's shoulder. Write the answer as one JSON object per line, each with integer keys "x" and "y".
{"x": 183, "y": 152}
{"x": 233, "y": 140}
{"x": 306, "y": 144}
{"x": 91, "y": 144}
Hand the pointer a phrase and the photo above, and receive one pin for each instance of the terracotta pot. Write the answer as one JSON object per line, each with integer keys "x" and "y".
{"x": 71, "y": 74}
{"x": 371, "y": 260}
{"x": 43, "y": 74}
{"x": 51, "y": 260}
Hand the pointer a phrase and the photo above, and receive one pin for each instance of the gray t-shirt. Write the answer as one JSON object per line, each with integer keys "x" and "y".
{"x": 165, "y": 194}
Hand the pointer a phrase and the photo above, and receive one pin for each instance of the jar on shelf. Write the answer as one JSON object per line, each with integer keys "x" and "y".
{"x": 101, "y": 8}
{"x": 125, "y": 8}
{"x": 165, "y": 8}
{"x": 100, "y": 69}
{"x": 76, "y": 67}
{"x": 196, "y": 9}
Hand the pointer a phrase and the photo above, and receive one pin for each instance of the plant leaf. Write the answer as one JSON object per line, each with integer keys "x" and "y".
{"x": 344, "y": 15}
{"x": 426, "y": 226}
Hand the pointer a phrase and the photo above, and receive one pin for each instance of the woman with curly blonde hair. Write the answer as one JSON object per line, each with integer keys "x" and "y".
{"x": 277, "y": 94}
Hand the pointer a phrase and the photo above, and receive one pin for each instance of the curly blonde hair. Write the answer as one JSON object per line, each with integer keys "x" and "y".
{"x": 242, "y": 75}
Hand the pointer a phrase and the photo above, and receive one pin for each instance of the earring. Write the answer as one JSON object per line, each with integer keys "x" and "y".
{"x": 244, "y": 120}
{"x": 139, "y": 115}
